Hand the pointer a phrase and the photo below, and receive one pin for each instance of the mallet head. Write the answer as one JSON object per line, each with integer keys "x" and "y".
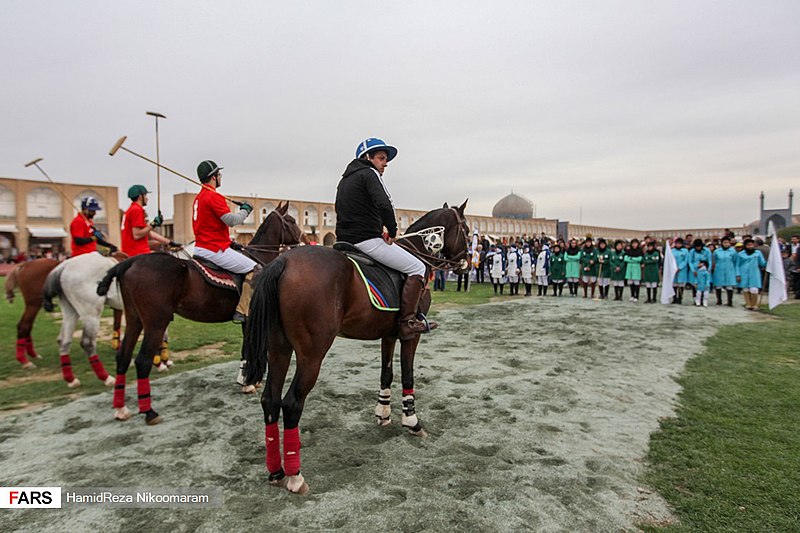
{"x": 117, "y": 145}
{"x": 154, "y": 114}
{"x": 34, "y": 161}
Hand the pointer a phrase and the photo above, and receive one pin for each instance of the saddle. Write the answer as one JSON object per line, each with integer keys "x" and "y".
{"x": 217, "y": 277}
{"x": 384, "y": 285}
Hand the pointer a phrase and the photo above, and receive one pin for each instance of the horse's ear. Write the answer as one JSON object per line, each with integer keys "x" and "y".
{"x": 463, "y": 206}
{"x": 445, "y": 206}
{"x": 285, "y": 208}
{"x": 279, "y": 206}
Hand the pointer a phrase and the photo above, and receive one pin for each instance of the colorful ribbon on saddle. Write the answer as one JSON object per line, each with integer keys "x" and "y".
{"x": 376, "y": 297}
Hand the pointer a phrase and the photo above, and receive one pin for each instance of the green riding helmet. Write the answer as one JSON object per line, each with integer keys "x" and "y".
{"x": 137, "y": 190}
{"x": 206, "y": 169}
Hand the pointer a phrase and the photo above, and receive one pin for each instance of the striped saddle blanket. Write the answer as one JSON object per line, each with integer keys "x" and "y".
{"x": 215, "y": 276}
{"x": 383, "y": 285}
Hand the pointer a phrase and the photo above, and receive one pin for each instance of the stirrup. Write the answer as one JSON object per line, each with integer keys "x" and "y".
{"x": 429, "y": 326}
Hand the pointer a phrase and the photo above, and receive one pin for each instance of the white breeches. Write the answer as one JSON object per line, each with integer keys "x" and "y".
{"x": 230, "y": 260}
{"x": 393, "y": 256}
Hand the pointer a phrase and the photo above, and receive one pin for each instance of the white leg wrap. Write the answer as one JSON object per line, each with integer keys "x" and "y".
{"x": 240, "y": 375}
{"x": 410, "y": 419}
{"x": 383, "y": 410}
{"x": 296, "y": 484}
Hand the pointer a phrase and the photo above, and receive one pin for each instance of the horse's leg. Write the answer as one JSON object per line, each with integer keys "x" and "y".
{"x": 151, "y": 343}
{"x": 69, "y": 321}
{"x": 115, "y": 338}
{"x": 383, "y": 410}
{"x": 91, "y": 327}
{"x": 24, "y": 339}
{"x": 133, "y": 327}
{"x": 407, "y": 350}
{"x": 277, "y": 366}
{"x": 246, "y": 389}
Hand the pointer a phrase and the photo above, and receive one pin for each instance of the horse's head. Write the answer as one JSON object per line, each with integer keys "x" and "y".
{"x": 279, "y": 230}
{"x": 456, "y": 233}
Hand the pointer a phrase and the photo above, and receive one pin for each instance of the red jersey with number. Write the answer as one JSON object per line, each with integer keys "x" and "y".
{"x": 82, "y": 227}
{"x": 210, "y": 232}
{"x": 134, "y": 217}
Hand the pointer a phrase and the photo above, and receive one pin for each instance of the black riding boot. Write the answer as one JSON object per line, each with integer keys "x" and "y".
{"x": 410, "y": 324}
{"x": 649, "y": 294}
{"x": 655, "y": 295}
{"x": 494, "y": 286}
{"x": 719, "y": 296}
{"x": 730, "y": 297}
{"x": 544, "y": 290}
{"x": 501, "y": 287}
{"x": 527, "y": 289}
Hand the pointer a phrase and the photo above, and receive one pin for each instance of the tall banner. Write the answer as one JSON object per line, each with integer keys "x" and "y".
{"x": 670, "y": 269}
{"x": 777, "y": 276}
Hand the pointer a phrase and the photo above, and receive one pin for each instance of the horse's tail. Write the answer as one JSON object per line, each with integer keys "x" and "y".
{"x": 11, "y": 284}
{"x": 264, "y": 317}
{"x": 52, "y": 287}
{"x": 114, "y": 272}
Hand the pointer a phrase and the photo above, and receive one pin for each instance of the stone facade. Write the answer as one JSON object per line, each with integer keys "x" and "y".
{"x": 34, "y": 215}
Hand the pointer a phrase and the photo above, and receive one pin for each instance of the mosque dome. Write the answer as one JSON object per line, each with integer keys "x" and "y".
{"x": 513, "y": 206}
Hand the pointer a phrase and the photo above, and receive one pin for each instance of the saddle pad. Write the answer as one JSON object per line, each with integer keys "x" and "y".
{"x": 383, "y": 285}
{"x": 215, "y": 277}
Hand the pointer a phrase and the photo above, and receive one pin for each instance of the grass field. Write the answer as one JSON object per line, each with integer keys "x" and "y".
{"x": 730, "y": 460}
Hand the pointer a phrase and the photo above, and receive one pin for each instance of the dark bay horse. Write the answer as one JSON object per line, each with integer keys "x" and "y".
{"x": 157, "y": 286}
{"x": 302, "y": 302}
{"x": 29, "y": 277}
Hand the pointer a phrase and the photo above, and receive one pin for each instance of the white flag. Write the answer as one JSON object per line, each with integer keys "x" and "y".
{"x": 670, "y": 269}
{"x": 777, "y": 276}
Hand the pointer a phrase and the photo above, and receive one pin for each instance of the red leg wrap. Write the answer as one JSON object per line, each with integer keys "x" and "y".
{"x": 272, "y": 437}
{"x": 97, "y": 366}
{"x": 119, "y": 392}
{"x": 143, "y": 386}
{"x": 21, "y": 345}
{"x": 29, "y": 348}
{"x": 66, "y": 368}
{"x": 406, "y": 392}
{"x": 291, "y": 451}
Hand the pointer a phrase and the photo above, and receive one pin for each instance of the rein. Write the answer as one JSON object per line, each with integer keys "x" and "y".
{"x": 437, "y": 262}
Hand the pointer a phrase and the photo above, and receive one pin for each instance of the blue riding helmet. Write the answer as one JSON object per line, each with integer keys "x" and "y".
{"x": 372, "y": 144}
{"x": 90, "y": 203}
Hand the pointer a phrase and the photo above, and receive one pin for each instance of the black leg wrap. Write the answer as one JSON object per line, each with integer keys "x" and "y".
{"x": 277, "y": 476}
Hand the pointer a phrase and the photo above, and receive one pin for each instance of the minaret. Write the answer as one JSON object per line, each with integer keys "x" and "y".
{"x": 761, "y": 212}
{"x": 791, "y": 197}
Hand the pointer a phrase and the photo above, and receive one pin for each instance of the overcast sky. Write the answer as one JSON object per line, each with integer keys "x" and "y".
{"x": 630, "y": 114}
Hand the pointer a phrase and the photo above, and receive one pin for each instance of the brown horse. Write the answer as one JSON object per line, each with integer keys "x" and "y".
{"x": 301, "y": 302}
{"x": 29, "y": 277}
{"x": 157, "y": 286}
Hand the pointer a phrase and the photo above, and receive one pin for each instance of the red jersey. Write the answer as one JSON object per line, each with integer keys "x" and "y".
{"x": 210, "y": 232}
{"x": 134, "y": 217}
{"x": 82, "y": 227}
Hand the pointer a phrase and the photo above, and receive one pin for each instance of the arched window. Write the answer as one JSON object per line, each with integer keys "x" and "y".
{"x": 329, "y": 239}
{"x": 266, "y": 209}
{"x": 310, "y": 216}
{"x": 505, "y": 227}
{"x": 294, "y": 213}
{"x": 8, "y": 203}
{"x": 328, "y": 218}
{"x": 100, "y": 215}
{"x": 403, "y": 222}
{"x": 44, "y": 202}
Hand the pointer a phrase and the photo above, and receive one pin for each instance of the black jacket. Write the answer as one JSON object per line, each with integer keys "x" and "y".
{"x": 363, "y": 206}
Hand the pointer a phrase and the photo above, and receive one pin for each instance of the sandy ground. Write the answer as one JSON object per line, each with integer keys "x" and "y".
{"x": 539, "y": 413}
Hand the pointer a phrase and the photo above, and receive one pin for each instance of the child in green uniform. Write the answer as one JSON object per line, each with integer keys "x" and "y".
{"x": 616, "y": 269}
{"x": 603, "y": 272}
{"x": 558, "y": 269}
{"x": 573, "y": 270}
{"x": 588, "y": 266}
{"x": 652, "y": 265}
{"x": 633, "y": 272}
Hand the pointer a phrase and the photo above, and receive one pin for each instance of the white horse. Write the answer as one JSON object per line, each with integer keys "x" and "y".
{"x": 75, "y": 282}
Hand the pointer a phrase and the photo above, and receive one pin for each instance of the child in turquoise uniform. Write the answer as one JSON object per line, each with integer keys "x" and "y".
{"x": 698, "y": 253}
{"x": 633, "y": 271}
{"x": 573, "y": 257}
{"x": 723, "y": 272}
{"x": 748, "y": 273}
{"x": 681, "y": 256}
{"x": 702, "y": 284}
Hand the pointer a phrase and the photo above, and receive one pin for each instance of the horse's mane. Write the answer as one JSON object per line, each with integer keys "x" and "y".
{"x": 424, "y": 220}
{"x": 261, "y": 229}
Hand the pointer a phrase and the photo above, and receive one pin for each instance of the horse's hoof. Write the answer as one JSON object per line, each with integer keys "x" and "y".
{"x": 28, "y": 366}
{"x": 122, "y": 414}
{"x": 152, "y": 418}
{"x": 74, "y": 384}
{"x": 296, "y": 484}
{"x": 383, "y": 422}
{"x": 248, "y": 389}
{"x": 163, "y": 367}
{"x": 169, "y": 363}
{"x": 418, "y": 433}
{"x": 109, "y": 381}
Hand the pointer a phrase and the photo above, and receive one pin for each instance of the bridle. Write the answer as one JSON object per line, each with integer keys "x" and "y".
{"x": 438, "y": 261}
{"x": 287, "y": 228}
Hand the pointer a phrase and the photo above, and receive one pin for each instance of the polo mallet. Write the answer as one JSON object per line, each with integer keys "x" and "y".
{"x": 118, "y": 145}
{"x": 158, "y": 159}
{"x": 35, "y": 163}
